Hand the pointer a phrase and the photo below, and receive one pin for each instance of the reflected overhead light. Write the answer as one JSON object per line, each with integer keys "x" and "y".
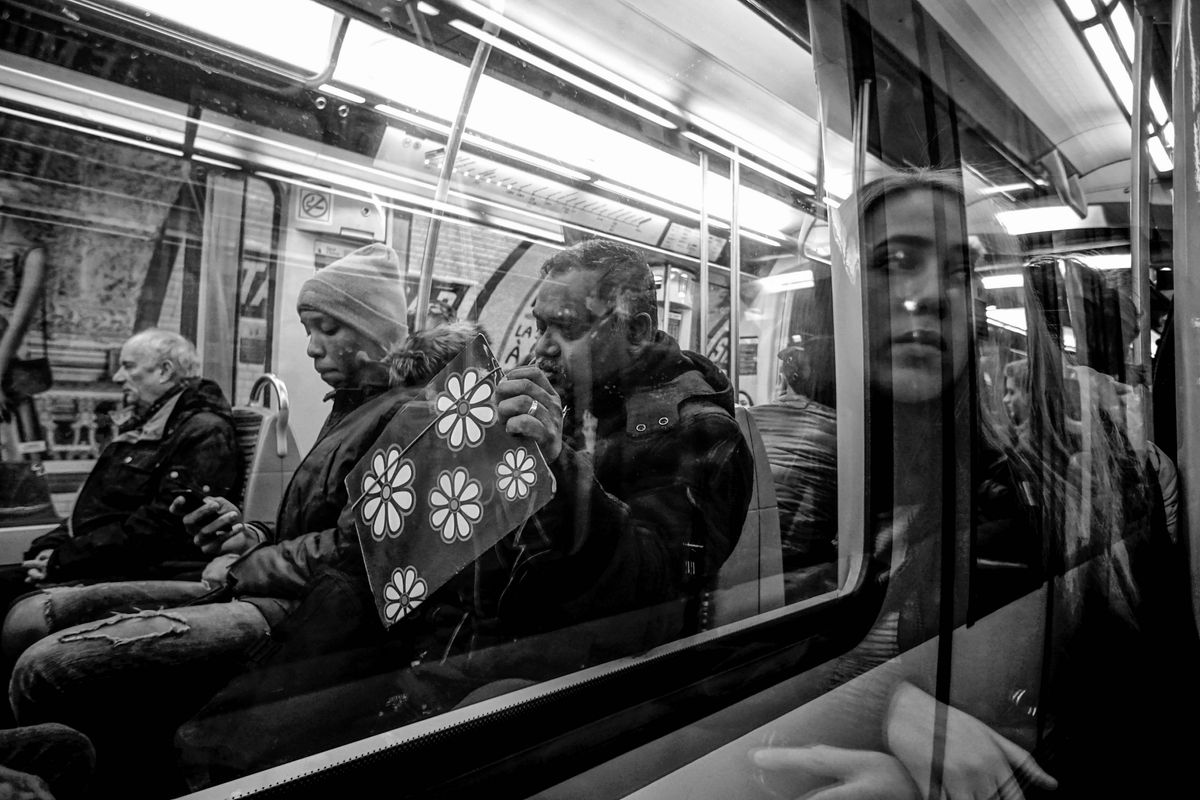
{"x": 1007, "y": 187}
{"x": 342, "y": 93}
{"x": 562, "y": 74}
{"x": 554, "y": 48}
{"x": 216, "y": 162}
{"x": 1082, "y": 10}
{"x": 295, "y": 32}
{"x": 1168, "y": 134}
{"x": 1157, "y": 106}
{"x": 1011, "y": 281}
{"x": 1112, "y": 65}
{"x": 413, "y": 119}
{"x": 112, "y": 137}
{"x": 758, "y": 237}
{"x": 708, "y": 144}
{"x": 1124, "y": 28}
{"x": 427, "y": 9}
{"x": 1049, "y": 218}
{"x": 787, "y": 282}
{"x": 1159, "y": 155}
{"x": 1107, "y": 260}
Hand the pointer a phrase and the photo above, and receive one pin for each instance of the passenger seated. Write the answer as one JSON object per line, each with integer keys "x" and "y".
{"x": 173, "y": 660}
{"x": 179, "y": 436}
{"x": 653, "y": 482}
{"x": 800, "y": 436}
{"x": 1016, "y": 399}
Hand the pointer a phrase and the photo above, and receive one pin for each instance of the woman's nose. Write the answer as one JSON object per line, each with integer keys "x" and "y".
{"x": 922, "y": 291}
{"x": 314, "y": 347}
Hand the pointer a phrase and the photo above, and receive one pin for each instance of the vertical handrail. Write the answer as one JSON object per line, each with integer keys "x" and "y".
{"x": 1139, "y": 202}
{"x": 1185, "y": 68}
{"x": 735, "y": 270}
{"x": 702, "y": 315}
{"x": 478, "y": 62}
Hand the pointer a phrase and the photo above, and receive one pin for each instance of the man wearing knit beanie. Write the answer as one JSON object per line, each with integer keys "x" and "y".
{"x": 364, "y": 290}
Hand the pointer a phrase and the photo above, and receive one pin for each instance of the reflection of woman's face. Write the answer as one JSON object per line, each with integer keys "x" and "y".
{"x": 918, "y": 280}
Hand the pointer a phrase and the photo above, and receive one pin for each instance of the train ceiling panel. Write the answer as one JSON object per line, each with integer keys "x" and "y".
{"x": 1030, "y": 50}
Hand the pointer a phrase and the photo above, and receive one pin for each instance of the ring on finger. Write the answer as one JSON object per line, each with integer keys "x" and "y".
{"x": 533, "y": 407}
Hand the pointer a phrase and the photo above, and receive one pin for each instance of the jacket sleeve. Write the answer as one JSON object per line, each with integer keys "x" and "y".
{"x": 205, "y": 445}
{"x": 285, "y": 569}
{"x": 590, "y": 553}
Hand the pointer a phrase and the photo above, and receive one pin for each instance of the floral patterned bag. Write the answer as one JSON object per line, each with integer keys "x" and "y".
{"x": 442, "y": 485}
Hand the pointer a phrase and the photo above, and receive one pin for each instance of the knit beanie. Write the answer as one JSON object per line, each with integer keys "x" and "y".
{"x": 364, "y": 290}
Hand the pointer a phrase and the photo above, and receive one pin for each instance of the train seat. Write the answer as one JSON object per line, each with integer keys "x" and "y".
{"x": 751, "y": 579}
{"x": 268, "y": 447}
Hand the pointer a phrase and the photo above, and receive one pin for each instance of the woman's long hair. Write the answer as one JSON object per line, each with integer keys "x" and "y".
{"x": 1078, "y": 470}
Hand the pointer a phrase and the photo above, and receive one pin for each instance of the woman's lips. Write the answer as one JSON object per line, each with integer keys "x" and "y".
{"x": 921, "y": 337}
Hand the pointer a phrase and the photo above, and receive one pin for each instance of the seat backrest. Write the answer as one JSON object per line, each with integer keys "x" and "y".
{"x": 268, "y": 447}
{"x": 751, "y": 579}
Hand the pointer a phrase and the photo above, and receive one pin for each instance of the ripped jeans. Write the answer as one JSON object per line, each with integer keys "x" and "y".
{"x": 127, "y": 681}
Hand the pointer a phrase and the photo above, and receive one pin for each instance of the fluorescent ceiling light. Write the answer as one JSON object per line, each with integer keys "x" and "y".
{"x": 1112, "y": 65}
{"x": 1168, "y": 134}
{"x": 555, "y": 49}
{"x": 562, "y": 74}
{"x": 1049, "y": 218}
{"x": 1011, "y": 281}
{"x": 1108, "y": 260}
{"x": 342, "y": 93}
{"x": 788, "y": 281}
{"x": 1158, "y": 154}
{"x": 1124, "y": 28}
{"x": 1082, "y": 10}
{"x": 296, "y": 32}
{"x": 1157, "y": 106}
{"x": 502, "y": 112}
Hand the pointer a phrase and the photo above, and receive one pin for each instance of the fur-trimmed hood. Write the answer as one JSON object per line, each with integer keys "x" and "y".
{"x": 425, "y": 353}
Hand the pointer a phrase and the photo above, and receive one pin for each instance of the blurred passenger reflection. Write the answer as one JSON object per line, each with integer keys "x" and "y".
{"x": 800, "y": 436}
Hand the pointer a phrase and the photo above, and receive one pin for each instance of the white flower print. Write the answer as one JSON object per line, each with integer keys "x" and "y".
{"x": 515, "y": 473}
{"x": 403, "y": 593}
{"x": 454, "y": 504}
{"x": 468, "y": 398}
{"x": 388, "y": 496}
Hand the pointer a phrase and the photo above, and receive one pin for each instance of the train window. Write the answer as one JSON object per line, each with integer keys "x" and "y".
{"x": 845, "y": 331}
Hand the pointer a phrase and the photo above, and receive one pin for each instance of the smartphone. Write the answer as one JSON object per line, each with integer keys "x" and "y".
{"x": 192, "y": 500}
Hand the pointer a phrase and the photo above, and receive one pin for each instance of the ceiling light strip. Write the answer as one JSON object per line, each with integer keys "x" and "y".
{"x": 557, "y": 50}
{"x": 562, "y": 74}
